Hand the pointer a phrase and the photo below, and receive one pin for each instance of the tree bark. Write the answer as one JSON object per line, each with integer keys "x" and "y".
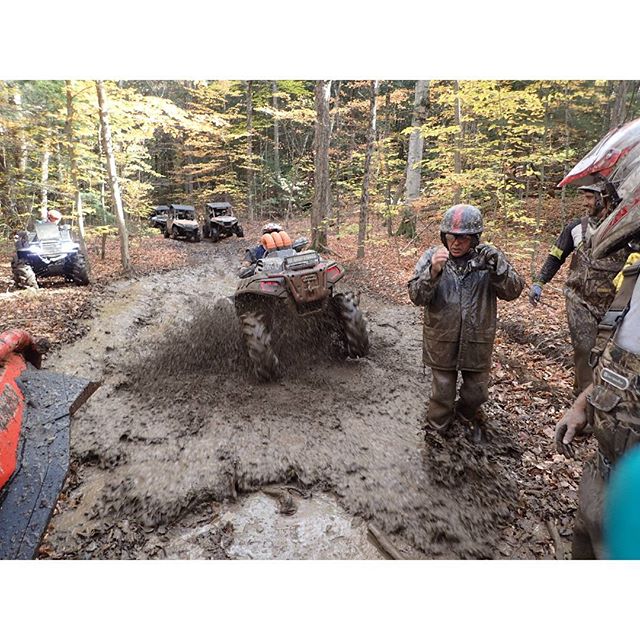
{"x": 251, "y": 178}
{"x": 457, "y": 152}
{"x": 73, "y": 170}
{"x": 619, "y": 107}
{"x": 44, "y": 181}
{"x": 322, "y": 189}
{"x": 414, "y": 158}
{"x": 276, "y": 141}
{"x": 113, "y": 177}
{"x": 371, "y": 140}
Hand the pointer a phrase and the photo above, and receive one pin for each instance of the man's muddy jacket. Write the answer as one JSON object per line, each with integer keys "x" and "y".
{"x": 460, "y": 306}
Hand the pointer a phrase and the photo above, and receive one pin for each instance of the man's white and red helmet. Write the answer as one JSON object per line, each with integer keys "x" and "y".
{"x": 53, "y": 215}
{"x": 616, "y": 160}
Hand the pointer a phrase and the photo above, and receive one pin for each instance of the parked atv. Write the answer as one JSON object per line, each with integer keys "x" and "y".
{"x": 289, "y": 282}
{"x": 219, "y": 222}
{"x": 182, "y": 223}
{"x": 158, "y": 219}
{"x": 47, "y": 251}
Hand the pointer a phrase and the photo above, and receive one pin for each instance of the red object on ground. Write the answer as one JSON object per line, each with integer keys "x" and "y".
{"x": 11, "y": 409}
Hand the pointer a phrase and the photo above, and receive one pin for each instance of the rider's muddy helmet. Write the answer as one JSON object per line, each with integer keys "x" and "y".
{"x": 270, "y": 227}
{"x": 462, "y": 219}
{"x": 616, "y": 161}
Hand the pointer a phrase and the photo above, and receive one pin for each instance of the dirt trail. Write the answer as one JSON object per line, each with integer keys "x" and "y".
{"x": 180, "y": 429}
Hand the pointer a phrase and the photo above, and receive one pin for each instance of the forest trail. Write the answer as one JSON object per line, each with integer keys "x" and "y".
{"x": 181, "y": 453}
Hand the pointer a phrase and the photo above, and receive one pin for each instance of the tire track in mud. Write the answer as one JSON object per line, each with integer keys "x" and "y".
{"x": 180, "y": 425}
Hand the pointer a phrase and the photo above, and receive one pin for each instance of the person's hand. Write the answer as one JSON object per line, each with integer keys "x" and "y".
{"x": 437, "y": 261}
{"x": 534, "y": 293}
{"x": 493, "y": 259}
{"x": 572, "y": 422}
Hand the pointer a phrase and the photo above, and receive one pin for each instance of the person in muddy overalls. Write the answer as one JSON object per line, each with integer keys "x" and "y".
{"x": 588, "y": 289}
{"x": 611, "y": 402}
{"x": 458, "y": 285}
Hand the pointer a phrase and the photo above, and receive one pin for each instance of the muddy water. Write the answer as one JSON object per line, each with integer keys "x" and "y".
{"x": 180, "y": 432}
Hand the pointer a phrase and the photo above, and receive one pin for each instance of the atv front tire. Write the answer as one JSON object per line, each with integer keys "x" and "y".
{"x": 23, "y": 274}
{"x": 239, "y": 231}
{"x": 206, "y": 230}
{"x": 353, "y": 327}
{"x": 165, "y": 232}
{"x": 257, "y": 339}
{"x": 76, "y": 269}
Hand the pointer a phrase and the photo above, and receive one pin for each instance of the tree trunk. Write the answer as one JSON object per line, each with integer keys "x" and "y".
{"x": 276, "y": 142}
{"x": 414, "y": 158}
{"x": 563, "y": 205}
{"x": 113, "y": 178}
{"x": 73, "y": 170}
{"x": 457, "y": 152}
{"x": 44, "y": 181}
{"x": 371, "y": 139}
{"x": 619, "y": 106}
{"x": 322, "y": 189}
{"x": 251, "y": 178}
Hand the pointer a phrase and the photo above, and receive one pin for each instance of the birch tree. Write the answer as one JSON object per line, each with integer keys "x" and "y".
{"x": 73, "y": 170}
{"x": 322, "y": 188}
{"x": 113, "y": 177}
{"x": 251, "y": 178}
{"x": 414, "y": 158}
{"x": 371, "y": 139}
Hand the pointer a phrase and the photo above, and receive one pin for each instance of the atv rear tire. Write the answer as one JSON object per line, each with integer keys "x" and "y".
{"x": 257, "y": 339}
{"x": 352, "y": 325}
{"x": 76, "y": 269}
{"x": 165, "y": 232}
{"x": 23, "y": 274}
{"x": 215, "y": 234}
{"x": 206, "y": 231}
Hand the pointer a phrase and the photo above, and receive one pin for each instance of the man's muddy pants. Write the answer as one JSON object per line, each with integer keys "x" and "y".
{"x": 473, "y": 393}
{"x": 583, "y": 329}
{"x": 587, "y": 530}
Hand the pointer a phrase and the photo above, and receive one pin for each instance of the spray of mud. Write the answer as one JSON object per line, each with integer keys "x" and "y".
{"x": 185, "y": 426}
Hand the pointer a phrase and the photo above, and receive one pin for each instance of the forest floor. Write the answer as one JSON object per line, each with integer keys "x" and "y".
{"x": 181, "y": 453}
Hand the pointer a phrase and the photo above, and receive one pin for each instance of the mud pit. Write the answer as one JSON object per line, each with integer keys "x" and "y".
{"x": 180, "y": 432}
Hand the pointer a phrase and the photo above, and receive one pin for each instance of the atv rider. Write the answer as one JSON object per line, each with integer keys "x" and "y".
{"x": 458, "y": 285}
{"x": 53, "y": 216}
{"x": 588, "y": 290}
{"x": 611, "y": 403}
{"x": 254, "y": 254}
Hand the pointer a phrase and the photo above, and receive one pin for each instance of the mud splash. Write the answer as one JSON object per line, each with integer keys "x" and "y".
{"x": 181, "y": 426}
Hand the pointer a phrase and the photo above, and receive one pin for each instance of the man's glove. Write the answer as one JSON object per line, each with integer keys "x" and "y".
{"x": 494, "y": 260}
{"x": 534, "y": 293}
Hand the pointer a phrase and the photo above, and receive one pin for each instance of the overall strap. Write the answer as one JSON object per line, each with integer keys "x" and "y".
{"x": 616, "y": 313}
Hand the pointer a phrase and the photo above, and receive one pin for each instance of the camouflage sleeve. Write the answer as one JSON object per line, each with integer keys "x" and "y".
{"x": 558, "y": 253}
{"x": 505, "y": 280}
{"x": 421, "y": 285}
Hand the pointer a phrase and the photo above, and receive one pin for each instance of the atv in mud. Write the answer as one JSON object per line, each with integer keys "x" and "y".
{"x": 158, "y": 219}
{"x": 182, "y": 223}
{"x": 289, "y": 283}
{"x": 47, "y": 251}
{"x": 219, "y": 222}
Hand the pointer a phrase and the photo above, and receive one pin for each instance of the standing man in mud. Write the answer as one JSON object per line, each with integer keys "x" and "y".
{"x": 588, "y": 289}
{"x": 458, "y": 285}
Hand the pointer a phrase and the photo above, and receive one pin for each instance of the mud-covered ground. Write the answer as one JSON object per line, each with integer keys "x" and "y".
{"x": 180, "y": 430}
